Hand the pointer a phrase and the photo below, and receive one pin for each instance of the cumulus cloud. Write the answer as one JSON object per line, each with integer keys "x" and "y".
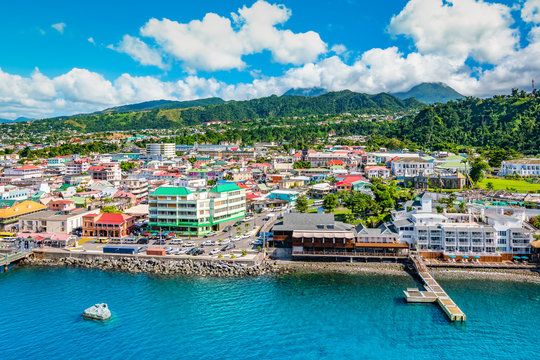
{"x": 458, "y": 28}
{"x": 91, "y": 40}
{"x": 139, "y": 51}
{"x": 531, "y": 11}
{"x": 59, "y": 27}
{"x": 217, "y": 43}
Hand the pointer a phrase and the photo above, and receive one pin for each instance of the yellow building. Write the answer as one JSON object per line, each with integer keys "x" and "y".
{"x": 9, "y": 217}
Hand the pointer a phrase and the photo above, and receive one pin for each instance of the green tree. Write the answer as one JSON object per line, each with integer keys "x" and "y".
{"x": 478, "y": 167}
{"x": 110, "y": 209}
{"x": 302, "y": 165}
{"x": 489, "y": 185}
{"x": 301, "y": 204}
{"x": 330, "y": 202}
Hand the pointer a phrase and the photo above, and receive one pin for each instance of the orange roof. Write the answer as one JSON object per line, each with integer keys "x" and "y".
{"x": 28, "y": 167}
{"x": 21, "y": 209}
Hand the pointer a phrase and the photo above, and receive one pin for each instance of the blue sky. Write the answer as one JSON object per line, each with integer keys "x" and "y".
{"x": 65, "y": 57}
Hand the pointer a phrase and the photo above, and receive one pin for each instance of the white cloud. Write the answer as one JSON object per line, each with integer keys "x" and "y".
{"x": 531, "y": 11}
{"x": 338, "y": 49}
{"x": 91, "y": 40}
{"x": 216, "y": 43}
{"x": 139, "y": 51}
{"x": 59, "y": 27}
{"x": 458, "y": 28}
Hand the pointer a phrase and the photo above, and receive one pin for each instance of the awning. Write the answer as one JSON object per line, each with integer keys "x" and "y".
{"x": 382, "y": 245}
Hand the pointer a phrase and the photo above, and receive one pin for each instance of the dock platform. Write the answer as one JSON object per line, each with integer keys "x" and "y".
{"x": 433, "y": 293}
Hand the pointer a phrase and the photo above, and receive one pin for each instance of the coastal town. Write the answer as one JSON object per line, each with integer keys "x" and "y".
{"x": 224, "y": 202}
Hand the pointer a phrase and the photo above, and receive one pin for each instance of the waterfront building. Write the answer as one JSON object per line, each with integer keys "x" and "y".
{"x": 491, "y": 234}
{"x": 315, "y": 235}
{"x": 184, "y": 211}
{"x": 107, "y": 225}
{"x": 54, "y": 221}
{"x": 9, "y": 217}
{"x": 521, "y": 167}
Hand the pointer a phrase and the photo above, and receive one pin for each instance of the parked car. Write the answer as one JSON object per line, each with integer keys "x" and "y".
{"x": 214, "y": 251}
{"x": 245, "y": 236}
{"x": 236, "y": 238}
{"x": 257, "y": 242}
{"x": 239, "y": 222}
{"x": 189, "y": 244}
{"x": 228, "y": 247}
{"x": 224, "y": 241}
{"x": 176, "y": 242}
{"x": 195, "y": 251}
{"x": 142, "y": 241}
{"x": 227, "y": 228}
{"x": 210, "y": 234}
{"x": 182, "y": 250}
{"x": 208, "y": 243}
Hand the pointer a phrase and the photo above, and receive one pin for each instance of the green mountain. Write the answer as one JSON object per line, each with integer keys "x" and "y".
{"x": 19, "y": 119}
{"x": 430, "y": 93}
{"x": 308, "y": 92}
{"x": 271, "y": 107}
{"x": 163, "y": 104}
{"x": 509, "y": 122}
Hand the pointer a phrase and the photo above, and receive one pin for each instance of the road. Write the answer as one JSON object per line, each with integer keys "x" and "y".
{"x": 244, "y": 244}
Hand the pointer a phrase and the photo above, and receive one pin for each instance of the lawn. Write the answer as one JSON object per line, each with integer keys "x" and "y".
{"x": 503, "y": 184}
{"x": 337, "y": 211}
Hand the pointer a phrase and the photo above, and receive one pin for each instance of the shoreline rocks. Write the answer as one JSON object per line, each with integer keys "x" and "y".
{"x": 167, "y": 267}
{"x": 170, "y": 267}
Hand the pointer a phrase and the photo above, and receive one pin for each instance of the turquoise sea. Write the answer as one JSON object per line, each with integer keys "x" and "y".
{"x": 308, "y": 316}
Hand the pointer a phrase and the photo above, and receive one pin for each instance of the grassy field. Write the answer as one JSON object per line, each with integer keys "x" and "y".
{"x": 503, "y": 184}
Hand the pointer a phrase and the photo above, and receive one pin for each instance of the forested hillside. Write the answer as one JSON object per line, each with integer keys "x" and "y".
{"x": 510, "y": 122}
{"x": 269, "y": 107}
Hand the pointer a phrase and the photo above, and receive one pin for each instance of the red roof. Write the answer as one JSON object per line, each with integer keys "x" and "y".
{"x": 109, "y": 218}
{"x": 28, "y": 167}
{"x": 335, "y": 162}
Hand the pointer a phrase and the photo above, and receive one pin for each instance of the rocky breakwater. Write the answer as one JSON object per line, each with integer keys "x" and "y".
{"x": 160, "y": 267}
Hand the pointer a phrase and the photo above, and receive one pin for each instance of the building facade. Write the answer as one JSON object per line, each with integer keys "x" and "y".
{"x": 164, "y": 149}
{"x": 180, "y": 210}
{"x": 522, "y": 167}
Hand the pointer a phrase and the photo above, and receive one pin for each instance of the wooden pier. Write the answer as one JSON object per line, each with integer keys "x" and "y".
{"x": 12, "y": 258}
{"x": 433, "y": 293}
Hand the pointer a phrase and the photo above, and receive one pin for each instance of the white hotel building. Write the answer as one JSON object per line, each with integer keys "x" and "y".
{"x": 465, "y": 234}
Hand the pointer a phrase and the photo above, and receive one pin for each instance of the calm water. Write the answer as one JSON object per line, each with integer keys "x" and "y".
{"x": 324, "y": 316}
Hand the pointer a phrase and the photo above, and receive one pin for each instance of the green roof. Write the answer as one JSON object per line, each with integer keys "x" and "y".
{"x": 221, "y": 188}
{"x": 64, "y": 187}
{"x": 79, "y": 200}
{"x": 171, "y": 191}
{"x": 8, "y": 203}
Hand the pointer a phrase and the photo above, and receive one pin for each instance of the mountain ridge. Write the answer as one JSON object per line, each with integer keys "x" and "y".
{"x": 430, "y": 93}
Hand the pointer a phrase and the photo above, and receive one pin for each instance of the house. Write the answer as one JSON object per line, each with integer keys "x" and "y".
{"x": 24, "y": 172}
{"x": 288, "y": 195}
{"x": 108, "y": 172}
{"x": 521, "y": 167}
{"x": 318, "y": 191}
{"x": 107, "y": 225}
{"x": 410, "y": 166}
{"x": 377, "y": 171}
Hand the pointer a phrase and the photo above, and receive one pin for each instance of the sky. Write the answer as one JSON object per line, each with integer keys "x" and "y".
{"x": 67, "y": 57}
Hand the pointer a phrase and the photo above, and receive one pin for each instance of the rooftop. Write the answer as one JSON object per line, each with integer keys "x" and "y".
{"x": 171, "y": 191}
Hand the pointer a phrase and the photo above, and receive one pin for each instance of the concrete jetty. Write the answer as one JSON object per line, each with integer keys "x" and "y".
{"x": 433, "y": 292}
